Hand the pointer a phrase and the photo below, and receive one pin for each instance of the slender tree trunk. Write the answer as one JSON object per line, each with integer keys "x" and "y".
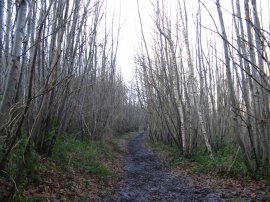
{"x": 233, "y": 99}
{"x": 11, "y": 86}
{"x": 8, "y": 32}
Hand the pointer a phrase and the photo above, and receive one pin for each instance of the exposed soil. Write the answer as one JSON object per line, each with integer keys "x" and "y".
{"x": 145, "y": 179}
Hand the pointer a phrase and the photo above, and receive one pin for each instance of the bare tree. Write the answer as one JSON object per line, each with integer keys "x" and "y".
{"x": 14, "y": 64}
{"x": 193, "y": 92}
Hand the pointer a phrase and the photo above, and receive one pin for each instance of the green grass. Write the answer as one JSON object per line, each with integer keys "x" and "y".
{"x": 34, "y": 198}
{"x": 224, "y": 161}
{"x": 81, "y": 154}
{"x": 31, "y": 171}
{"x": 119, "y": 142}
{"x": 172, "y": 152}
{"x": 69, "y": 154}
{"x": 200, "y": 162}
{"x": 32, "y": 167}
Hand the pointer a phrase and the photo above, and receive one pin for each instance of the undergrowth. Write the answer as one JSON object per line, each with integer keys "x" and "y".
{"x": 69, "y": 156}
{"x": 73, "y": 164}
{"x": 119, "y": 142}
{"x": 69, "y": 152}
{"x": 31, "y": 169}
{"x": 226, "y": 160}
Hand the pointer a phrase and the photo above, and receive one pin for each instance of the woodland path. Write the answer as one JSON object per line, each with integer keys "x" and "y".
{"x": 146, "y": 180}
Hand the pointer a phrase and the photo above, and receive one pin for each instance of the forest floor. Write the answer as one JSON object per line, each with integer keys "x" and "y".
{"x": 78, "y": 171}
{"x": 126, "y": 169}
{"x": 147, "y": 179}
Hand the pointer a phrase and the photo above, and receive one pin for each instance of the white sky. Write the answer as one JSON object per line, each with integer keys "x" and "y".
{"x": 130, "y": 32}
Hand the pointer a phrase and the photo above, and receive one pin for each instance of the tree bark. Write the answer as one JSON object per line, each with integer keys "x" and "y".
{"x": 11, "y": 86}
{"x": 231, "y": 89}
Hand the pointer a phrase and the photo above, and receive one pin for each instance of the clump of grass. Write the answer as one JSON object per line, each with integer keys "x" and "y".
{"x": 70, "y": 152}
{"x": 34, "y": 198}
{"x": 116, "y": 146}
{"x": 31, "y": 171}
{"x": 119, "y": 142}
{"x": 172, "y": 152}
{"x": 69, "y": 155}
{"x": 225, "y": 160}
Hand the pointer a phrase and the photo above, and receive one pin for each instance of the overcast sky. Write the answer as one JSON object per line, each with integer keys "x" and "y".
{"x": 129, "y": 34}
{"x": 130, "y": 31}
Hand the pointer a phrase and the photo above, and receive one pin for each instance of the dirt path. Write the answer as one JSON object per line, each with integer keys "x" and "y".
{"x": 145, "y": 180}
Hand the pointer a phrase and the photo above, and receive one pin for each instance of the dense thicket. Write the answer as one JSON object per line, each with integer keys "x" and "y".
{"x": 205, "y": 79}
{"x": 58, "y": 74}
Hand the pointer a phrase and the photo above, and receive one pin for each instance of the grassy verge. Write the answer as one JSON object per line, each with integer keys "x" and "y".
{"x": 119, "y": 143}
{"x": 226, "y": 161}
{"x": 226, "y": 171}
{"x": 79, "y": 170}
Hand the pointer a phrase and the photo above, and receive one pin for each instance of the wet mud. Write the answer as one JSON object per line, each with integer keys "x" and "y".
{"x": 145, "y": 179}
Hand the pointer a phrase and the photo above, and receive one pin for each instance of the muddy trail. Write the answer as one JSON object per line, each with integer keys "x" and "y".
{"x": 146, "y": 180}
